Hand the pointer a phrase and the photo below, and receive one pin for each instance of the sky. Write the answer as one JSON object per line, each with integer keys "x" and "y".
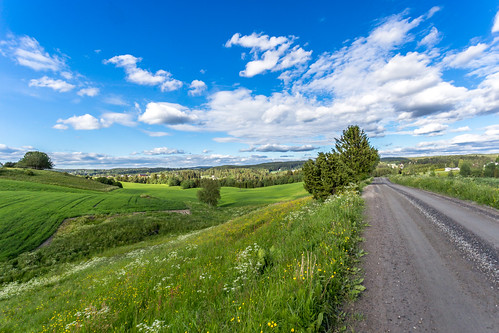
{"x": 107, "y": 84}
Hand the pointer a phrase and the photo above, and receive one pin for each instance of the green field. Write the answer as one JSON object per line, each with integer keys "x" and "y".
{"x": 32, "y": 207}
{"x": 286, "y": 267}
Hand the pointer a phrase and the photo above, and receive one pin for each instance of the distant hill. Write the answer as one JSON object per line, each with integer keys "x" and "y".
{"x": 271, "y": 166}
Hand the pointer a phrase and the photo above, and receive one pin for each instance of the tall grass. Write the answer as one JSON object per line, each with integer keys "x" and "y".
{"x": 484, "y": 192}
{"x": 286, "y": 267}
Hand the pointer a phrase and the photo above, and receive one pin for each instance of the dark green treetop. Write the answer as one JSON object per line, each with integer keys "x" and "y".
{"x": 35, "y": 160}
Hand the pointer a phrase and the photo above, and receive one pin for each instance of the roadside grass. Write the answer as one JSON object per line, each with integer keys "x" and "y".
{"x": 285, "y": 267}
{"x": 481, "y": 190}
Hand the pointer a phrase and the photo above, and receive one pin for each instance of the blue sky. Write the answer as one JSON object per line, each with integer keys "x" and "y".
{"x": 107, "y": 84}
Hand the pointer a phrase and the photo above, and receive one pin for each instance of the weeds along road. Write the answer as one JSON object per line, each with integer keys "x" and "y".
{"x": 432, "y": 263}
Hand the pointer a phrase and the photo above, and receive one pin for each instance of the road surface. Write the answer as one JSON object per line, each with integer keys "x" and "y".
{"x": 432, "y": 263}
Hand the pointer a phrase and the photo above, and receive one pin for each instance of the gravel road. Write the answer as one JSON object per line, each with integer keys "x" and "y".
{"x": 432, "y": 263}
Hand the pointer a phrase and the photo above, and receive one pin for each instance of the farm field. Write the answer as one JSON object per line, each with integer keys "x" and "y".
{"x": 32, "y": 207}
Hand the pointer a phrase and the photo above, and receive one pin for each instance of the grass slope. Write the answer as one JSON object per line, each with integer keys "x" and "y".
{"x": 52, "y": 178}
{"x": 286, "y": 267}
{"x": 32, "y": 207}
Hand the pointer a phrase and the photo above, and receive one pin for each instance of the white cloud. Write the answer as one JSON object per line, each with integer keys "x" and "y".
{"x": 89, "y": 122}
{"x": 57, "y": 85}
{"x": 485, "y": 142}
{"x": 463, "y": 59}
{"x": 431, "y": 39}
{"x": 163, "y": 151}
{"x": 85, "y": 122}
{"x": 256, "y": 41}
{"x": 60, "y": 126}
{"x": 156, "y": 134}
{"x": 269, "y": 53}
{"x": 115, "y": 100}
{"x": 373, "y": 81}
{"x": 495, "y": 27}
{"x": 26, "y": 51}
{"x": 91, "y": 92}
{"x": 431, "y": 129}
{"x": 432, "y": 11}
{"x": 140, "y": 76}
{"x": 125, "y": 119}
{"x": 166, "y": 114}
{"x": 197, "y": 87}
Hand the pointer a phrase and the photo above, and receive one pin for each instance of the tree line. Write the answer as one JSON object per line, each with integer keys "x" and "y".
{"x": 227, "y": 177}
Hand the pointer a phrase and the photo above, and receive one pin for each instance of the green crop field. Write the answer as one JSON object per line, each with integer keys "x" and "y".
{"x": 32, "y": 207}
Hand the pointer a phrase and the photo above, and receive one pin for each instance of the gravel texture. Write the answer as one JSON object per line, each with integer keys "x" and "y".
{"x": 432, "y": 264}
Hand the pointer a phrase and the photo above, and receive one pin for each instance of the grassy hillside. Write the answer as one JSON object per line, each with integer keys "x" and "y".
{"x": 286, "y": 267}
{"x": 52, "y": 178}
{"x": 32, "y": 207}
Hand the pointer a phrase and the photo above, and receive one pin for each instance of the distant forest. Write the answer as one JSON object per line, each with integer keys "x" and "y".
{"x": 250, "y": 176}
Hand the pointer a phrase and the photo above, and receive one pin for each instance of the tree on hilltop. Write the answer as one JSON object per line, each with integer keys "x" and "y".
{"x": 35, "y": 160}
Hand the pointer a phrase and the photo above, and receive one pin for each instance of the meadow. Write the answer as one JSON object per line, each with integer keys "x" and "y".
{"x": 284, "y": 267}
{"x": 484, "y": 191}
{"x": 33, "y": 206}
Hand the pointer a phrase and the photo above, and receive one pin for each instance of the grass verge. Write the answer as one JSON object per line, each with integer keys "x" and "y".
{"x": 484, "y": 192}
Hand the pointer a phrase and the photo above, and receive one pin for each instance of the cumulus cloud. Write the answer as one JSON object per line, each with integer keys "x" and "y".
{"x": 161, "y": 78}
{"x": 374, "y": 81}
{"x": 85, "y": 122}
{"x": 197, "y": 87}
{"x": 269, "y": 53}
{"x": 163, "y": 151}
{"x": 55, "y": 84}
{"x": 157, "y": 113}
{"x": 89, "y": 122}
{"x": 28, "y": 52}
{"x": 91, "y": 92}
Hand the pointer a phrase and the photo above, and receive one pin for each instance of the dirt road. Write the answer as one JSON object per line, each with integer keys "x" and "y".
{"x": 432, "y": 263}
